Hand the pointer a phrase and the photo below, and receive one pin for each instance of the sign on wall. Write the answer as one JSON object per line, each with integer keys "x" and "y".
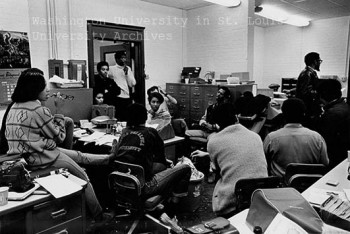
{"x": 14, "y": 50}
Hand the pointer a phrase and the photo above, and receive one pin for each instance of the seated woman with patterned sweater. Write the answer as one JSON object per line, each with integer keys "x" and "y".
{"x": 34, "y": 134}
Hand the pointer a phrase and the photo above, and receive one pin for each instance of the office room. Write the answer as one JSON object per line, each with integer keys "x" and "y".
{"x": 68, "y": 38}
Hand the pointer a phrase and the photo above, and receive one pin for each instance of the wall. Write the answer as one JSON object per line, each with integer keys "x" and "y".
{"x": 217, "y": 39}
{"x": 163, "y": 33}
{"x": 259, "y": 42}
{"x": 285, "y": 48}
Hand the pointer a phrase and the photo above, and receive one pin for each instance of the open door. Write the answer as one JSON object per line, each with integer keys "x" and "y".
{"x": 104, "y": 39}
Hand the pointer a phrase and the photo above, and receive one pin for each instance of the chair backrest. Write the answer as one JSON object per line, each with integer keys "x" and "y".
{"x": 127, "y": 182}
{"x": 303, "y": 181}
{"x": 131, "y": 169}
{"x": 245, "y": 187}
{"x": 303, "y": 168}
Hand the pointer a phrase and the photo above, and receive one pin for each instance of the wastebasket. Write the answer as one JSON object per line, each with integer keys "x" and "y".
{"x": 192, "y": 201}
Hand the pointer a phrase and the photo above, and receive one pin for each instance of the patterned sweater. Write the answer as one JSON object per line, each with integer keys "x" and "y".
{"x": 31, "y": 128}
{"x": 238, "y": 153}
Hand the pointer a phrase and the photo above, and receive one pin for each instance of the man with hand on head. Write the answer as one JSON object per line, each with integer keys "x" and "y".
{"x": 123, "y": 76}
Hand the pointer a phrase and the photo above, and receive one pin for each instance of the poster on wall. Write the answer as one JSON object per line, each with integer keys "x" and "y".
{"x": 14, "y": 50}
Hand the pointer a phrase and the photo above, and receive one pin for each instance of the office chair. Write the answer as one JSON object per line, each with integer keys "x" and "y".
{"x": 303, "y": 168}
{"x": 245, "y": 187}
{"x": 127, "y": 183}
{"x": 303, "y": 181}
{"x": 301, "y": 175}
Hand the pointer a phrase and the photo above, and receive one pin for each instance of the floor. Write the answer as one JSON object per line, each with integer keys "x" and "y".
{"x": 191, "y": 212}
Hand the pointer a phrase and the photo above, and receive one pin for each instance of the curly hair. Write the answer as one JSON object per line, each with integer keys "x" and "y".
{"x": 156, "y": 95}
{"x": 136, "y": 114}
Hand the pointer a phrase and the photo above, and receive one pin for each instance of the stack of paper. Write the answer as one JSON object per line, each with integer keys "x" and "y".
{"x": 66, "y": 83}
{"x": 58, "y": 185}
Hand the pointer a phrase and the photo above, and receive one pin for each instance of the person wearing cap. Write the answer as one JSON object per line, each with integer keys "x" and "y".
{"x": 306, "y": 86}
{"x": 124, "y": 78}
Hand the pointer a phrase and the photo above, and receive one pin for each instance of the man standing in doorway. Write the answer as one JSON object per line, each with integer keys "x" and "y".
{"x": 124, "y": 78}
{"x": 306, "y": 87}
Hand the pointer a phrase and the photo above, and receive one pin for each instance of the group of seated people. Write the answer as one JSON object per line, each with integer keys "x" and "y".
{"x": 238, "y": 153}
{"x": 235, "y": 152}
{"x": 33, "y": 134}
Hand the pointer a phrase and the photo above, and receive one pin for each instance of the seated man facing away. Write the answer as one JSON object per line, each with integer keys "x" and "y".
{"x": 237, "y": 153}
{"x": 143, "y": 146}
{"x": 294, "y": 143}
{"x": 334, "y": 123}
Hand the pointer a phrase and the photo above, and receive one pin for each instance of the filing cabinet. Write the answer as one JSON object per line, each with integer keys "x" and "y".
{"x": 193, "y": 99}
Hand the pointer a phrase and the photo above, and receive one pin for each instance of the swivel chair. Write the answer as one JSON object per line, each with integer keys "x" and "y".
{"x": 127, "y": 182}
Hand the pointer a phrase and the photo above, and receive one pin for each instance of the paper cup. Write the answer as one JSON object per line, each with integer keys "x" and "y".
{"x": 4, "y": 194}
{"x": 187, "y": 81}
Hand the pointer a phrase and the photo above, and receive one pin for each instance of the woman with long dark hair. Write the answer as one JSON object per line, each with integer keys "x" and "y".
{"x": 33, "y": 133}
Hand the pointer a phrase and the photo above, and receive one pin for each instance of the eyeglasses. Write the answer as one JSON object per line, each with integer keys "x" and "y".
{"x": 320, "y": 61}
{"x": 64, "y": 96}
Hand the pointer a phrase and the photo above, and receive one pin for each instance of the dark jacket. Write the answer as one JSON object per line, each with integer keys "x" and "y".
{"x": 334, "y": 126}
{"x": 142, "y": 146}
{"x": 108, "y": 87}
{"x": 306, "y": 90}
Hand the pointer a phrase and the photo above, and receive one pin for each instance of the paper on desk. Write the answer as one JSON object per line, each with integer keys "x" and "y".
{"x": 347, "y": 193}
{"x": 152, "y": 125}
{"x": 318, "y": 196}
{"x": 58, "y": 185}
{"x": 14, "y": 196}
{"x": 93, "y": 137}
{"x": 106, "y": 139}
{"x": 283, "y": 225}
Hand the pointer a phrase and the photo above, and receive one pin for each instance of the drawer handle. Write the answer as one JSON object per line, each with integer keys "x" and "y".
{"x": 58, "y": 213}
{"x": 64, "y": 231}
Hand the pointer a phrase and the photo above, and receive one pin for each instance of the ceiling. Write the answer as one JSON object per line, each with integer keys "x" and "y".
{"x": 310, "y": 9}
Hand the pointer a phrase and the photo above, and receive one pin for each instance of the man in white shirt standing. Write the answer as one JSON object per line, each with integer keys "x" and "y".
{"x": 124, "y": 78}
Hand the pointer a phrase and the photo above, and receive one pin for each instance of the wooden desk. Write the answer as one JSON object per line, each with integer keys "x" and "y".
{"x": 44, "y": 214}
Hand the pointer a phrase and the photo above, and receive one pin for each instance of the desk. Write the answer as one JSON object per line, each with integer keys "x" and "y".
{"x": 170, "y": 147}
{"x": 169, "y": 144}
{"x": 44, "y": 214}
{"x": 338, "y": 173}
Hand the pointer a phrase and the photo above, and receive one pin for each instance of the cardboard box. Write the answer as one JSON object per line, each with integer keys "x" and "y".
{"x": 99, "y": 110}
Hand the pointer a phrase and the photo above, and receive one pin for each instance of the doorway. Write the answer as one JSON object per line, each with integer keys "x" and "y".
{"x": 104, "y": 39}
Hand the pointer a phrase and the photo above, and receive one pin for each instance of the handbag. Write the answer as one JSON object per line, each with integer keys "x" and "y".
{"x": 14, "y": 175}
{"x": 266, "y": 203}
{"x": 216, "y": 225}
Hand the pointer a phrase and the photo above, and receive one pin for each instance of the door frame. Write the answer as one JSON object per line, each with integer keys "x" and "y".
{"x": 125, "y": 33}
